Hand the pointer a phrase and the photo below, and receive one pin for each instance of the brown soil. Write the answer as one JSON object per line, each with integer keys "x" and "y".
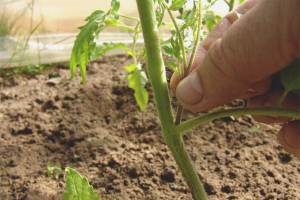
{"x": 49, "y": 118}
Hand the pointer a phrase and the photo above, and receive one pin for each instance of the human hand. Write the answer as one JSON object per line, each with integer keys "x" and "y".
{"x": 239, "y": 58}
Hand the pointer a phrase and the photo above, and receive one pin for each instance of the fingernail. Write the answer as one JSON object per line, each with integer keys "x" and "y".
{"x": 251, "y": 90}
{"x": 190, "y": 90}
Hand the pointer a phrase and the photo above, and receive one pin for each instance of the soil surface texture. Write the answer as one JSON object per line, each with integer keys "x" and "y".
{"x": 98, "y": 129}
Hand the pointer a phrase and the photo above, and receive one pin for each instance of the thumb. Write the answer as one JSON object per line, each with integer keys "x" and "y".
{"x": 289, "y": 137}
{"x": 256, "y": 46}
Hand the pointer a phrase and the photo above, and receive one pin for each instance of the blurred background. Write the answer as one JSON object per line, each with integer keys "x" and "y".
{"x": 43, "y": 31}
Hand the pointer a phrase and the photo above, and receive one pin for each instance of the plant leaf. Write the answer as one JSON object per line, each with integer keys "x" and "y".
{"x": 159, "y": 12}
{"x": 177, "y": 4}
{"x": 78, "y": 187}
{"x": 137, "y": 81}
{"x": 130, "y": 68}
{"x": 111, "y": 22}
{"x": 115, "y": 4}
{"x": 173, "y": 65}
{"x": 167, "y": 47}
{"x": 85, "y": 44}
{"x": 101, "y": 50}
{"x": 290, "y": 76}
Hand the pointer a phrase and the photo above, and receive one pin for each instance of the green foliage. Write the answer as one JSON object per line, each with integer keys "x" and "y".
{"x": 85, "y": 49}
{"x": 9, "y": 21}
{"x": 290, "y": 76}
{"x": 210, "y": 20}
{"x": 101, "y": 50}
{"x": 171, "y": 47}
{"x": 115, "y": 4}
{"x": 85, "y": 44}
{"x": 160, "y": 11}
{"x": 177, "y": 4}
{"x": 137, "y": 81}
{"x": 78, "y": 187}
{"x": 30, "y": 69}
{"x": 173, "y": 65}
{"x": 56, "y": 168}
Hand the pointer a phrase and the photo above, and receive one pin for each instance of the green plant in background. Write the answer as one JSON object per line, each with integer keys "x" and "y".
{"x": 85, "y": 48}
{"x": 30, "y": 69}
{"x": 15, "y": 38}
{"x": 9, "y": 26}
{"x": 56, "y": 170}
{"x": 186, "y": 34}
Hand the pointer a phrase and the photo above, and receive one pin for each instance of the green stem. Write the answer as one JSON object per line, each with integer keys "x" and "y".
{"x": 180, "y": 38}
{"x": 179, "y": 107}
{"x": 278, "y": 103}
{"x": 186, "y": 71}
{"x": 196, "y": 44}
{"x": 135, "y": 36}
{"x": 227, "y": 3}
{"x": 156, "y": 72}
{"x": 179, "y": 114}
{"x": 187, "y": 125}
{"x": 231, "y": 5}
{"x": 125, "y": 26}
{"x": 127, "y": 17}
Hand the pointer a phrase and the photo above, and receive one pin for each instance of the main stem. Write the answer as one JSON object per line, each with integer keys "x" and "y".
{"x": 156, "y": 72}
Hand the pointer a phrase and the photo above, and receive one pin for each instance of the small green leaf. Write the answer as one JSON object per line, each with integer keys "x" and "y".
{"x": 111, "y": 22}
{"x": 290, "y": 76}
{"x": 173, "y": 65}
{"x": 115, "y": 4}
{"x": 137, "y": 81}
{"x": 241, "y": 1}
{"x": 78, "y": 187}
{"x": 167, "y": 47}
{"x": 176, "y": 48}
{"x": 160, "y": 14}
{"x": 144, "y": 55}
{"x": 210, "y": 25}
{"x": 141, "y": 97}
{"x": 101, "y": 50}
{"x": 177, "y": 4}
{"x": 130, "y": 68}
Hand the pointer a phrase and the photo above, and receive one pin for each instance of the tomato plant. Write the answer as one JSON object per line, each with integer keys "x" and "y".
{"x": 186, "y": 34}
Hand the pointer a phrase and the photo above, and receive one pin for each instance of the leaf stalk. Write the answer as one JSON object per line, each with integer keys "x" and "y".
{"x": 179, "y": 36}
{"x": 192, "y": 123}
{"x": 127, "y": 17}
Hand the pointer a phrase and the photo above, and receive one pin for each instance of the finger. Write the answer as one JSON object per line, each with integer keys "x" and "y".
{"x": 174, "y": 82}
{"x": 257, "y": 88}
{"x": 289, "y": 137}
{"x": 253, "y": 48}
{"x": 269, "y": 99}
{"x": 218, "y": 31}
{"x": 221, "y": 27}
